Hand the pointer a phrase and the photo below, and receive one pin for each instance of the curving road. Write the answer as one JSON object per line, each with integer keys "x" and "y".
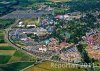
{"x": 8, "y": 40}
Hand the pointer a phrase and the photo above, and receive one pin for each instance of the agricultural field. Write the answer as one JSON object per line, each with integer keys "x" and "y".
{"x": 4, "y": 59}
{"x": 46, "y": 66}
{"x": 17, "y": 66}
{"x": 13, "y": 59}
{"x": 2, "y": 36}
{"x": 8, "y": 53}
{"x": 97, "y": 69}
{"x": 10, "y": 58}
{"x": 6, "y": 47}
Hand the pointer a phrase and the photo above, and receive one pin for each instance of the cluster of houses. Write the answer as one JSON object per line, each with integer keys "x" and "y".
{"x": 67, "y": 52}
{"x": 53, "y": 44}
{"x": 69, "y": 16}
{"x": 71, "y": 55}
{"x": 93, "y": 40}
{"x": 95, "y": 54}
{"x": 48, "y": 24}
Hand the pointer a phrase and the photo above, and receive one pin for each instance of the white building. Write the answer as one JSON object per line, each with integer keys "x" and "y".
{"x": 31, "y": 25}
{"x": 24, "y": 39}
{"x": 43, "y": 48}
{"x": 20, "y": 24}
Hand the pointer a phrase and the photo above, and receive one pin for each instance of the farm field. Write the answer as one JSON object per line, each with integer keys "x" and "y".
{"x": 97, "y": 69}
{"x": 17, "y": 59}
{"x": 4, "y": 59}
{"x": 3, "y": 44}
{"x": 46, "y": 66}
{"x": 7, "y": 52}
{"x": 17, "y": 66}
{"x": 2, "y": 36}
{"x": 6, "y": 47}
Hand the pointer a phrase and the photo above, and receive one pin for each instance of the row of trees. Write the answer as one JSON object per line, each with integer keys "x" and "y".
{"x": 84, "y": 54}
{"x": 84, "y": 5}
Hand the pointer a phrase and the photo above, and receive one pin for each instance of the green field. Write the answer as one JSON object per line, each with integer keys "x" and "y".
{"x": 2, "y": 36}
{"x": 97, "y": 69}
{"x": 7, "y": 52}
{"x": 46, "y": 66}
{"x": 15, "y": 66}
{"x": 4, "y": 59}
{"x": 7, "y": 48}
{"x": 12, "y": 55}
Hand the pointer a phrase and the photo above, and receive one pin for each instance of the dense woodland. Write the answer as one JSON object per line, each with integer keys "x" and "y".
{"x": 74, "y": 5}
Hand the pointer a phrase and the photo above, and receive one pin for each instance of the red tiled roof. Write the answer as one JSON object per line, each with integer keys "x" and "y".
{"x": 63, "y": 44}
{"x": 95, "y": 38}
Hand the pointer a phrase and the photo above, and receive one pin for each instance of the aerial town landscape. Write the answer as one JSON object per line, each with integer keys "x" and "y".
{"x": 45, "y": 35}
